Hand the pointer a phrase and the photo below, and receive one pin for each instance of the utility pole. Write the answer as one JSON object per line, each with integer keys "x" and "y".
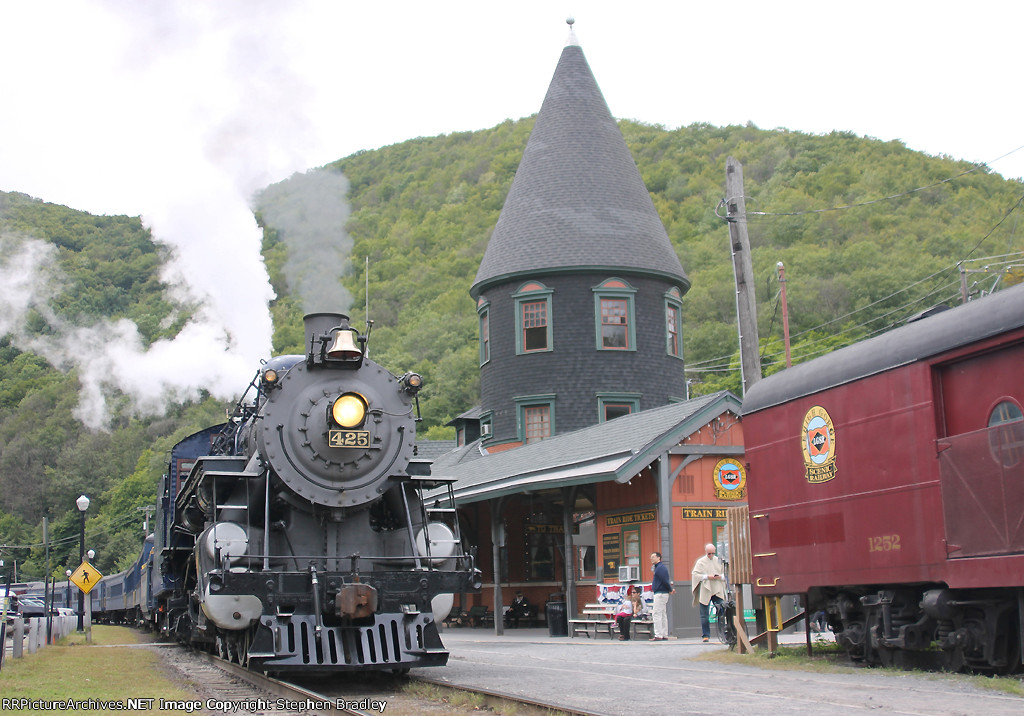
{"x": 148, "y": 509}
{"x": 743, "y": 271}
{"x": 785, "y": 312}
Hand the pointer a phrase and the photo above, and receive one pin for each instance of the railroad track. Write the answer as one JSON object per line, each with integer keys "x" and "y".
{"x": 493, "y": 697}
{"x": 226, "y": 688}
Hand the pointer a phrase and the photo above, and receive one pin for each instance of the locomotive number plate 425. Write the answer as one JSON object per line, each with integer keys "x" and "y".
{"x": 348, "y": 438}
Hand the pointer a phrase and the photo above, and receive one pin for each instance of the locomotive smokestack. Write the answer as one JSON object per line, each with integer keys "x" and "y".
{"x": 318, "y": 325}
{"x": 330, "y": 339}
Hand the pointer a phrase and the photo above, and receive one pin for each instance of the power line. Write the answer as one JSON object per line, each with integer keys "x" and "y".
{"x": 976, "y": 167}
{"x": 107, "y": 529}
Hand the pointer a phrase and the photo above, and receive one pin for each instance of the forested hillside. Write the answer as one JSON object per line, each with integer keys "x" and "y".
{"x": 856, "y": 221}
{"x": 423, "y": 210}
{"x": 103, "y": 267}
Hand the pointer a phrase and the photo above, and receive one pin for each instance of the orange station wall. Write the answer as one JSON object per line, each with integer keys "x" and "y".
{"x": 694, "y": 487}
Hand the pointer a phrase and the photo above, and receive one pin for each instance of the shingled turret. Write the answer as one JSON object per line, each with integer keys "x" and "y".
{"x": 578, "y": 201}
{"x": 579, "y": 291}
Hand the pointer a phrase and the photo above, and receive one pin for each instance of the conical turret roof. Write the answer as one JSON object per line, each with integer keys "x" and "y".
{"x": 577, "y": 202}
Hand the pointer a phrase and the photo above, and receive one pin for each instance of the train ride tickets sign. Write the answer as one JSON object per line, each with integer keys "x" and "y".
{"x": 819, "y": 445}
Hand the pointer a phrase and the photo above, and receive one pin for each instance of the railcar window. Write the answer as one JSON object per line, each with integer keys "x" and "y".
{"x": 1005, "y": 412}
{"x": 1006, "y": 434}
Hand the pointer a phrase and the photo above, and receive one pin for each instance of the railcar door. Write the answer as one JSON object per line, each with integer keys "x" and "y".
{"x": 981, "y": 457}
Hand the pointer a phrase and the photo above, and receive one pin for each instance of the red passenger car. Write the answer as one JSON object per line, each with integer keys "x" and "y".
{"x": 886, "y": 485}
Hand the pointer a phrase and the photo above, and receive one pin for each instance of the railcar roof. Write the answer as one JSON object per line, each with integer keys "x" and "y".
{"x": 960, "y": 326}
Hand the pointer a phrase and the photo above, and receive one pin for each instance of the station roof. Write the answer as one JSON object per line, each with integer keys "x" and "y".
{"x": 614, "y": 450}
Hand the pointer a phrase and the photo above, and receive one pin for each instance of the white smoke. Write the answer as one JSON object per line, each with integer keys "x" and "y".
{"x": 309, "y": 212}
{"x": 110, "y": 357}
{"x": 178, "y": 112}
{"x": 27, "y": 272}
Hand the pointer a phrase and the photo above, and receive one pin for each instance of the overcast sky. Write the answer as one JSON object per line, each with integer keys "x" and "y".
{"x": 178, "y": 111}
{"x": 104, "y": 100}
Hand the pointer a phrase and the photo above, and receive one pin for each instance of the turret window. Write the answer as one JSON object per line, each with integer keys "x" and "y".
{"x": 674, "y": 323}
{"x": 538, "y": 422}
{"x": 616, "y": 405}
{"x": 485, "y": 333}
{"x": 535, "y": 325}
{"x": 533, "y": 318}
{"x": 614, "y": 318}
{"x": 536, "y": 416}
{"x": 614, "y": 323}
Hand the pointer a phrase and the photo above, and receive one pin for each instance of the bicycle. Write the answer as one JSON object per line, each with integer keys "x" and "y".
{"x": 724, "y": 612}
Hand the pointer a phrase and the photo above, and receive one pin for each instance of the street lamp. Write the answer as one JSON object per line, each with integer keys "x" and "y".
{"x": 68, "y": 573}
{"x": 83, "y": 504}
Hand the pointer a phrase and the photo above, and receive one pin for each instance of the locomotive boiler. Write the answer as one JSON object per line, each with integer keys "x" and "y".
{"x": 886, "y": 486}
{"x": 296, "y": 536}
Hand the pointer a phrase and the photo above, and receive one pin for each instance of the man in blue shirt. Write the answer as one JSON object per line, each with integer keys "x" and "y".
{"x": 662, "y": 587}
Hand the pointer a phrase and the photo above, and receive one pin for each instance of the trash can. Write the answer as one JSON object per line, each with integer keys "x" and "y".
{"x": 558, "y": 624}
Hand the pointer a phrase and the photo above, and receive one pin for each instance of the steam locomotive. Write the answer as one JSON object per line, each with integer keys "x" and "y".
{"x": 886, "y": 486}
{"x": 296, "y": 536}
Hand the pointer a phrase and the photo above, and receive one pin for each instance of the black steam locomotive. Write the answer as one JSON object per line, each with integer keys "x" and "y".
{"x": 296, "y": 536}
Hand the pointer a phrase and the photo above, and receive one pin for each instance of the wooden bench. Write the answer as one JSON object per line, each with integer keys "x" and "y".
{"x": 597, "y": 617}
{"x": 480, "y": 615}
{"x": 456, "y": 617}
{"x": 643, "y": 625}
{"x": 531, "y": 619}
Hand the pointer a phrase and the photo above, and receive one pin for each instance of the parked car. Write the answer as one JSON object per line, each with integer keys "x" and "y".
{"x": 31, "y": 607}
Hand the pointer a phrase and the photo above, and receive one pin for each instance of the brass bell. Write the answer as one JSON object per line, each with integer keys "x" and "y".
{"x": 344, "y": 347}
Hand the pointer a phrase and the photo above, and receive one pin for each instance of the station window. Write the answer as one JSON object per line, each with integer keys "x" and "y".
{"x": 615, "y": 405}
{"x": 536, "y": 417}
{"x": 540, "y": 555}
{"x": 631, "y": 547}
{"x": 537, "y": 420}
{"x": 485, "y": 334}
{"x": 533, "y": 318}
{"x": 674, "y": 323}
{"x": 614, "y": 316}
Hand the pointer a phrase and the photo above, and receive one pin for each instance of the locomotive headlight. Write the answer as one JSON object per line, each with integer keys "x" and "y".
{"x": 270, "y": 376}
{"x": 349, "y": 411}
{"x": 412, "y": 382}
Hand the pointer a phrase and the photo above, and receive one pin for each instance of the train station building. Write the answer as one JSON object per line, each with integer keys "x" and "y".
{"x": 586, "y": 452}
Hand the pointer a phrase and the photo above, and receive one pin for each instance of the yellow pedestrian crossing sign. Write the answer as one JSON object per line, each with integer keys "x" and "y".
{"x": 86, "y": 577}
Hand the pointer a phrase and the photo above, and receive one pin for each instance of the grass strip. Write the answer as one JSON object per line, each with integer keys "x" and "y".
{"x": 74, "y": 670}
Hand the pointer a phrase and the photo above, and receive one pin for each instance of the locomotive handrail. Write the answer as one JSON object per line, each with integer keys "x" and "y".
{"x": 251, "y": 559}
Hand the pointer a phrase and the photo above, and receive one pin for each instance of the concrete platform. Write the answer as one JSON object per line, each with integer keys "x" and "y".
{"x": 611, "y": 677}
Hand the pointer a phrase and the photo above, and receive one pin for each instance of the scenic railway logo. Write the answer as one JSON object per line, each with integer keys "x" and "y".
{"x": 819, "y": 445}
{"x": 730, "y": 480}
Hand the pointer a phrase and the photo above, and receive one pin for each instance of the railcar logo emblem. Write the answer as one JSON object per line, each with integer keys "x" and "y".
{"x": 819, "y": 445}
{"x": 730, "y": 480}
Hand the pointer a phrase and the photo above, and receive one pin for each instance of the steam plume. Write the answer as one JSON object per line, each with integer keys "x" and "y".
{"x": 309, "y": 212}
